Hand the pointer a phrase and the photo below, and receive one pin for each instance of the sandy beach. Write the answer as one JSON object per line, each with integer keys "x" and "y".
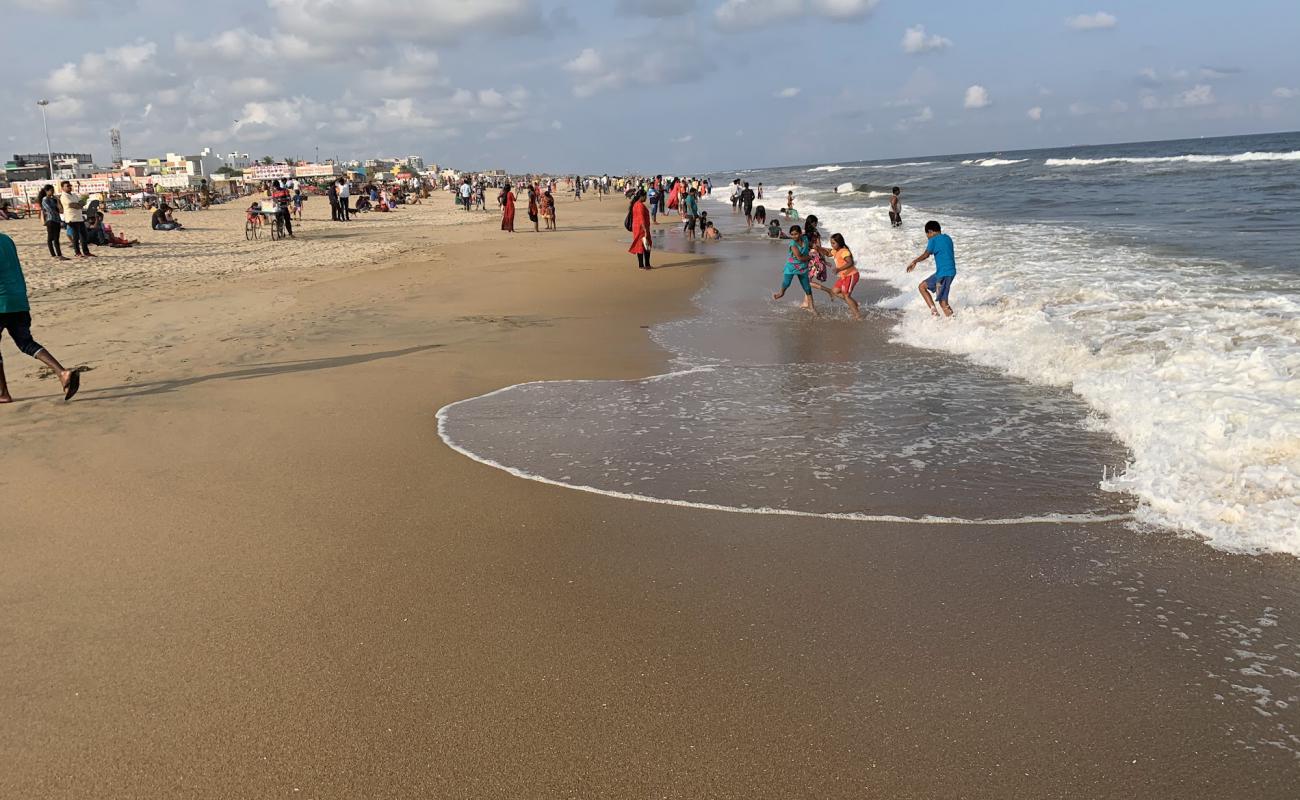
{"x": 243, "y": 564}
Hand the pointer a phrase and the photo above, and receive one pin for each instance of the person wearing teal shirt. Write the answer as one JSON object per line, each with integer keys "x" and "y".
{"x": 934, "y": 289}
{"x": 16, "y": 319}
{"x": 691, "y": 210}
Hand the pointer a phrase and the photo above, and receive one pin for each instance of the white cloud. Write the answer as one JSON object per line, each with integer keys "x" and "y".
{"x": 66, "y": 108}
{"x": 1092, "y": 22}
{"x": 241, "y": 45}
{"x": 916, "y": 41}
{"x": 109, "y": 69}
{"x": 738, "y": 15}
{"x": 672, "y": 62}
{"x": 591, "y": 75}
{"x": 1202, "y": 94}
{"x": 788, "y": 92}
{"x": 418, "y": 21}
{"x": 250, "y": 88}
{"x": 1035, "y": 113}
{"x": 1286, "y": 93}
{"x": 920, "y": 118}
{"x": 682, "y": 139}
{"x": 416, "y": 69}
{"x": 977, "y": 97}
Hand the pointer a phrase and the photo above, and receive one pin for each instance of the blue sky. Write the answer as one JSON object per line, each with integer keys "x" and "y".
{"x": 624, "y": 85}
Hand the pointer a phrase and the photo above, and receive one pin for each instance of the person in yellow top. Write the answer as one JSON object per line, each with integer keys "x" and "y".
{"x": 846, "y": 275}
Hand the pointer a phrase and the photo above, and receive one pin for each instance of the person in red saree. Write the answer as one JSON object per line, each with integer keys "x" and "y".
{"x": 508, "y": 209}
{"x": 640, "y": 230}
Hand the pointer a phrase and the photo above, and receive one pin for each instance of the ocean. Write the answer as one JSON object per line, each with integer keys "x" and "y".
{"x": 1126, "y": 346}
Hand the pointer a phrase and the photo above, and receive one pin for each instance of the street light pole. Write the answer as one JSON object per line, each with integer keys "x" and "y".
{"x": 49, "y": 151}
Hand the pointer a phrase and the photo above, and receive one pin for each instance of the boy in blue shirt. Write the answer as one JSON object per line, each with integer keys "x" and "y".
{"x": 945, "y": 268}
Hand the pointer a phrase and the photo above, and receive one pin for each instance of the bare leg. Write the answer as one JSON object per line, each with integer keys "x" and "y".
{"x": 853, "y": 306}
{"x": 929, "y": 301}
{"x": 4, "y": 387}
{"x": 947, "y": 309}
{"x": 67, "y": 377}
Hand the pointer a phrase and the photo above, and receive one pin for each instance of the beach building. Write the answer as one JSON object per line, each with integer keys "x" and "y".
{"x": 35, "y": 166}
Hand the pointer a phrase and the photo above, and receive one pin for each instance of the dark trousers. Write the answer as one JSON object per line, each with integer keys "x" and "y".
{"x": 287, "y": 219}
{"x": 53, "y": 234}
{"x": 19, "y": 325}
{"x": 345, "y": 213}
{"x": 334, "y": 209}
{"x": 80, "y": 244}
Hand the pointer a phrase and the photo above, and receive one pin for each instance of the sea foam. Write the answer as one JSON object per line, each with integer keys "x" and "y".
{"x": 1194, "y": 366}
{"x": 1238, "y": 158}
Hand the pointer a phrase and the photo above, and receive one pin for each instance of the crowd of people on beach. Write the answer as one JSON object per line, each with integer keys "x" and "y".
{"x": 808, "y": 260}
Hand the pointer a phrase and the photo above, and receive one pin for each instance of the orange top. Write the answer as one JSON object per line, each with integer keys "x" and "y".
{"x": 842, "y": 256}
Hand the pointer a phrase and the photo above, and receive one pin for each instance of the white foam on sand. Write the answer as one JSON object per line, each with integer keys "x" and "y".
{"x": 1238, "y": 158}
{"x": 1195, "y": 366}
{"x": 447, "y": 412}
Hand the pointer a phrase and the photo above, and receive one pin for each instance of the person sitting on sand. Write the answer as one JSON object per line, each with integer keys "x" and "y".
{"x": 774, "y": 230}
{"x": 16, "y": 319}
{"x": 162, "y": 219}
{"x": 711, "y": 232}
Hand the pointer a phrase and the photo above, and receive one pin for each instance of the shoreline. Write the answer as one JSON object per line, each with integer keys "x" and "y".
{"x": 255, "y": 569}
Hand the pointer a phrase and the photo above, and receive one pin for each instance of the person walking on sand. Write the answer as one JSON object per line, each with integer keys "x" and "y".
{"x": 16, "y": 319}
{"x": 945, "y": 268}
{"x": 639, "y": 215}
{"x": 796, "y": 266}
{"x": 507, "y": 209}
{"x": 70, "y": 211}
{"x": 53, "y": 223}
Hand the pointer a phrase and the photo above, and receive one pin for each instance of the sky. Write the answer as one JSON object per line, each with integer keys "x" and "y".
{"x": 624, "y": 86}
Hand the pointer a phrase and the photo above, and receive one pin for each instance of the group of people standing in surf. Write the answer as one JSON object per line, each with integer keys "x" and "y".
{"x": 808, "y": 260}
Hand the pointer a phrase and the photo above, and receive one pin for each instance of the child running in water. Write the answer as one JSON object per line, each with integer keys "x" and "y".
{"x": 846, "y": 275}
{"x": 796, "y": 266}
{"x": 945, "y": 268}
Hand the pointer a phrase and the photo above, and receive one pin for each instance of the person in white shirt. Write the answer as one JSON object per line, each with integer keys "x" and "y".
{"x": 466, "y": 194}
{"x": 70, "y": 210}
{"x": 345, "y": 192}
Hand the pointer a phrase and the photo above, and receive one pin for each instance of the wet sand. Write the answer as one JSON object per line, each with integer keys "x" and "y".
{"x": 244, "y": 565}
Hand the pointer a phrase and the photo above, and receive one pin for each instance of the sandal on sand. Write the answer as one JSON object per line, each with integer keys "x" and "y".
{"x": 74, "y": 383}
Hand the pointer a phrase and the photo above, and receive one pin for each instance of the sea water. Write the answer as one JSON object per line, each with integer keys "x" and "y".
{"x": 1158, "y": 282}
{"x": 1126, "y": 345}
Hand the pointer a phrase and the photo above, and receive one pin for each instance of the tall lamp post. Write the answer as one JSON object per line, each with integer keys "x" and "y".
{"x": 49, "y": 151}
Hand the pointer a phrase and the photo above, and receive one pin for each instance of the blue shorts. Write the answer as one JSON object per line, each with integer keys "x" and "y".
{"x": 939, "y": 286}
